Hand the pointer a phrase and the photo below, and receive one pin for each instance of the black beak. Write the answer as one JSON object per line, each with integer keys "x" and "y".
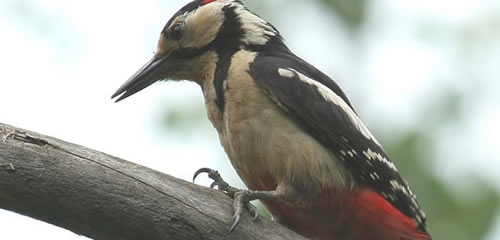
{"x": 147, "y": 75}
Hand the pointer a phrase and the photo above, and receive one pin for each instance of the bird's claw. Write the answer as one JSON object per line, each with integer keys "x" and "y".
{"x": 200, "y": 171}
{"x": 214, "y": 184}
{"x": 241, "y": 198}
{"x": 218, "y": 181}
{"x": 252, "y": 209}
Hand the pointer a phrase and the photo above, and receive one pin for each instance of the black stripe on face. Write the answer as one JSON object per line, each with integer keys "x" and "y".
{"x": 187, "y": 53}
{"x": 226, "y": 45}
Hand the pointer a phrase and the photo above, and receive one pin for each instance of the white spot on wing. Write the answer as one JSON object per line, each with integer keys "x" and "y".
{"x": 350, "y": 153}
{"x": 286, "y": 73}
{"x": 397, "y": 187}
{"x": 329, "y": 95}
{"x": 375, "y": 176}
{"x": 371, "y": 155}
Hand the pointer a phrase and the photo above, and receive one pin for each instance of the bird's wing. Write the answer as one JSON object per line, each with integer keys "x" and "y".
{"x": 317, "y": 104}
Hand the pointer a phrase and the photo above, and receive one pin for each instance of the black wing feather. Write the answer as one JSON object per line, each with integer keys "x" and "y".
{"x": 328, "y": 123}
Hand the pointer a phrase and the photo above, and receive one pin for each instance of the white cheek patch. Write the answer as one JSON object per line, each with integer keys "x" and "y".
{"x": 330, "y": 96}
{"x": 203, "y": 24}
{"x": 257, "y": 31}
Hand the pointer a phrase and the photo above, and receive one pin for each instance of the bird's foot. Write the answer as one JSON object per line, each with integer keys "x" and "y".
{"x": 241, "y": 198}
{"x": 218, "y": 181}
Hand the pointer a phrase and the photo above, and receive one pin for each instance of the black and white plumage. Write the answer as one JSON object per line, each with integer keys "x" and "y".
{"x": 320, "y": 107}
{"x": 287, "y": 127}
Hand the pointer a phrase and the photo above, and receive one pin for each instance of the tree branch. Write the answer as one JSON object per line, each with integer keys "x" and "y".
{"x": 104, "y": 197}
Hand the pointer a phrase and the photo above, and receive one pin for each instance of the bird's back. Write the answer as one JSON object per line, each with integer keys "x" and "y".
{"x": 271, "y": 152}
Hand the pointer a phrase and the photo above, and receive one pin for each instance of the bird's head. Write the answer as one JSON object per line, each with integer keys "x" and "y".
{"x": 196, "y": 38}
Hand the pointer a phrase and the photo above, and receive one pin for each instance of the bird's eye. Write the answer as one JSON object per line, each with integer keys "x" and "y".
{"x": 176, "y": 31}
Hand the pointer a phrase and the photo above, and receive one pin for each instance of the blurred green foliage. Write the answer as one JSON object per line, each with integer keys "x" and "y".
{"x": 460, "y": 214}
{"x": 466, "y": 212}
{"x": 351, "y": 12}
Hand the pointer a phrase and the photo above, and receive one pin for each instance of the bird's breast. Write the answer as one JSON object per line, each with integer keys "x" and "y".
{"x": 271, "y": 152}
{"x": 265, "y": 146}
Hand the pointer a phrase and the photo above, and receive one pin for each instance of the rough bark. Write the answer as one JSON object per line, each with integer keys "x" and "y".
{"x": 104, "y": 197}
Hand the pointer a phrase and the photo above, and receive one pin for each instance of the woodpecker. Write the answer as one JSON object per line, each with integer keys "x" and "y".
{"x": 288, "y": 129}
